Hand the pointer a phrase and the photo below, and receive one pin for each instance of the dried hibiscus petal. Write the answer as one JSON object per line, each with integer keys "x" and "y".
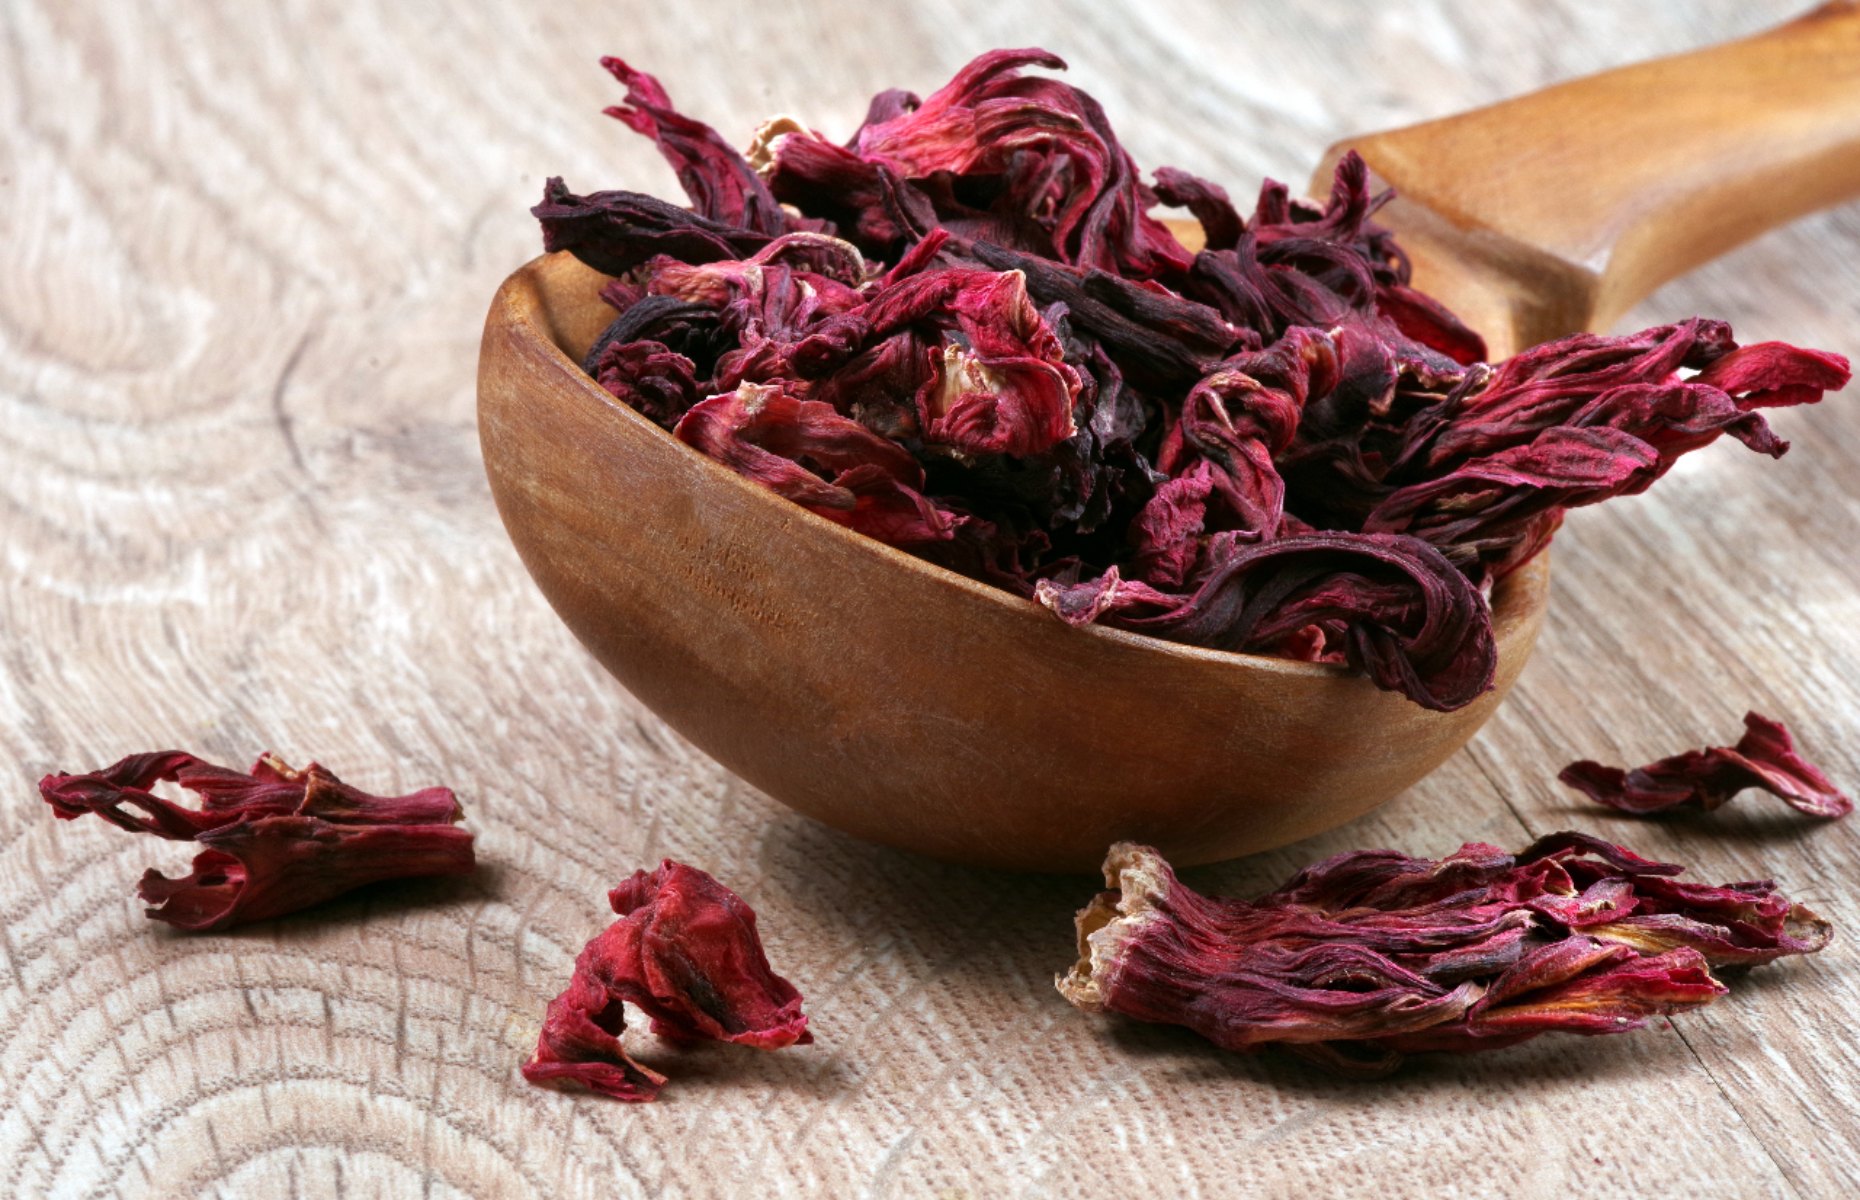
{"x": 649, "y": 377}
{"x": 686, "y": 953}
{"x": 1368, "y": 956}
{"x": 805, "y": 451}
{"x": 614, "y": 232}
{"x": 1019, "y": 160}
{"x": 1394, "y": 606}
{"x": 721, "y": 185}
{"x": 1765, "y": 757}
{"x": 276, "y": 840}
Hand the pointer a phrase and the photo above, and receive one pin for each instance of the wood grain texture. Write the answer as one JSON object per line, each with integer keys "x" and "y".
{"x": 245, "y": 251}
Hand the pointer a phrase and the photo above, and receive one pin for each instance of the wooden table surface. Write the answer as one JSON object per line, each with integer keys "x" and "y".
{"x": 244, "y": 257}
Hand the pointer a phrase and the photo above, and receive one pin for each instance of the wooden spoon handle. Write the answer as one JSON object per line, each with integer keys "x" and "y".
{"x": 1634, "y": 176}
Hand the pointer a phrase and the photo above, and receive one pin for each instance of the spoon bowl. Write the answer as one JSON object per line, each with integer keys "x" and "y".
{"x": 896, "y": 700}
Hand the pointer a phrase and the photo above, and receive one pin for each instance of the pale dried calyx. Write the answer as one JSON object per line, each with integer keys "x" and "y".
{"x": 1140, "y": 879}
{"x": 761, "y": 152}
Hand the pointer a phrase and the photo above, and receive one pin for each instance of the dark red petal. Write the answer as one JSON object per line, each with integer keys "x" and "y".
{"x": 702, "y": 971}
{"x": 685, "y": 951}
{"x": 277, "y": 840}
{"x": 1772, "y": 374}
{"x": 1221, "y": 225}
{"x": 1414, "y": 623}
{"x": 580, "y": 1043}
{"x": 1368, "y": 956}
{"x": 613, "y": 232}
{"x": 1765, "y": 757}
{"x": 1026, "y": 162}
{"x": 721, "y": 185}
{"x": 771, "y": 435}
{"x": 1428, "y": 322}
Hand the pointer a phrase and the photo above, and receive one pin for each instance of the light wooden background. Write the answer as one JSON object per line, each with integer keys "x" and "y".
{"x": 244, "y": 255}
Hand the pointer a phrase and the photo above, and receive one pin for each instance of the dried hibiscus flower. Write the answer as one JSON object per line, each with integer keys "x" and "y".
{"x": 276, "y": 840}
{"x": 1765, "y": 757}
{"x": 1368, "y": 956}
{"x": 963, "y": 332}
{"x": 685, "y": 952}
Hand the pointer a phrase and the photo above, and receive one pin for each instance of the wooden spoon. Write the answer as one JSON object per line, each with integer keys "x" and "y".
{"x": 911, "y": 706}
{"x": 1558, "y": 211}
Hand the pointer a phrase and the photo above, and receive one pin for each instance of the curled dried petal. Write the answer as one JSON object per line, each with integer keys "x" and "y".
{"x": 764, "y": 432}
{"x": 1239, "y": 418}
{"x": 1429, "y": 322}
{"x": 1406, "y": 617}
{"x": 1167, "y": 533}
{"x": 695, "y": 963}
{"x": 649, "y": 377}
{"x": 1573, "y": 423}
{"x": 580, "y": 1042}
{"x": 276, "y": 840}
{"x": 1158, "y": 951}
{"x": 613, "y": 232}
{"x": 1221, "y": 224}
{"x": 866, "y": 202}
{"x": 721, "y": 185}
{"x": 1155, "y": 336}
{"x": 999, "y": 383}
{"x": 1774, "y": 374}
{"x": 1368, "y": 956}
{"x": 685, "y": 951}
{"x": 1765, "y": 757}
{"x": 1042, "y": 169}
{"x": 1579, "y": 986}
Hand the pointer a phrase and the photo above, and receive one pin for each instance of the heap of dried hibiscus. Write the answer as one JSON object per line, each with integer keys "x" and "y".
{"x": 962, "y": 333}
